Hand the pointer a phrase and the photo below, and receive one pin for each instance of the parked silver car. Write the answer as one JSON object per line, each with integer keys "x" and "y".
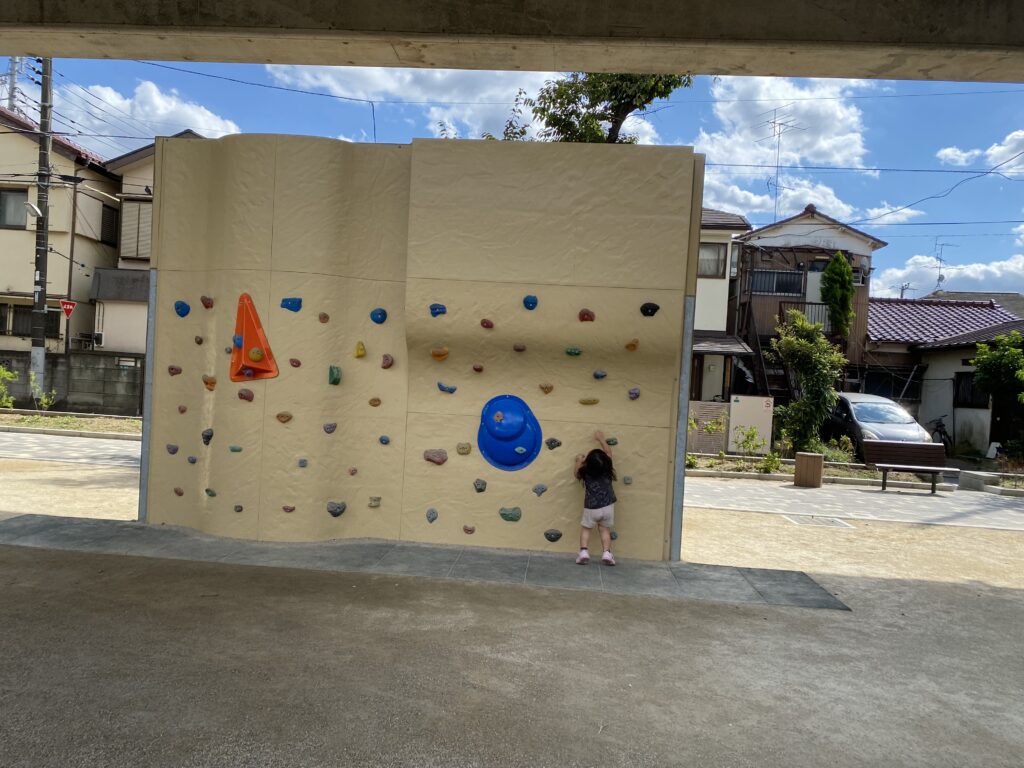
{"x": 870, "y": 417}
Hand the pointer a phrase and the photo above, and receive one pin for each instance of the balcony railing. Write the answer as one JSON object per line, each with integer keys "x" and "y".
{"x": 815, "y": 312}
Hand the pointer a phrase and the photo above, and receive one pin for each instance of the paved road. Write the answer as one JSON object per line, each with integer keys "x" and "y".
{"x": 75, "y": 450}
{"x": 968, "y": 508}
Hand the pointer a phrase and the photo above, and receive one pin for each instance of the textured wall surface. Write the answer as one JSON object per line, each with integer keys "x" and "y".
{"x": 474, "y": 226}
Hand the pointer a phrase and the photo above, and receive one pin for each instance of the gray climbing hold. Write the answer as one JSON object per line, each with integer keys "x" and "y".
{"x": 238, "y": 507}
{"x": 530, "y": 301}
{"x": 379, "y": 315}
{"x": 552, "y": 443}
{"x": 198, "y": 340}
{"x": 634, "y": 393}
{"x": 649, "y": 309}
{"x": 463, "y": 449}
{"x": 303, "y": 463}
{"x": 600, "y": 374}
{"x": 480, "y": 485}
{"x": 384, "y": 439}
{"x": 540, "y": 489}
{"x": 172, "y": 449}
{"x": 227, "y": 350}
{"x": 292, "y": 304}
{"x": 206, "y": 301}
{"x": 246, "y": 394}
{"x": 510, "y": 514}
{"x": 192, "y": 459}
{"x": 374, "y": 502}
{"x": 519, "y": 347}
{"x": 520, "y": 450}
{"x": 446, "y": 388}
{"x": 210, "y": 492}
{"x": 431, "y": 515}
{"x": 552, "y": 535}
{"x": 436, "y": 455}
{"x": 614, "y": 536}
{"x": 336, "y": 508}
{"x": 438, "y": 309}
{"x": 612, "y": 441}
{"x": 330, "y": 426}
{"x": 628, "y": 479}
{"x": 573, "y": 351}
{"x": 182, "y": 308}
{"x": 235, "y": 448}
{"x": 207, "y": 436}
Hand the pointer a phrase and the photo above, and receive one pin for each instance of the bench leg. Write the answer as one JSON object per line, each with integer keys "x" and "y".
{"x": 885, "y": 477}
{"x": 935, "y": 477}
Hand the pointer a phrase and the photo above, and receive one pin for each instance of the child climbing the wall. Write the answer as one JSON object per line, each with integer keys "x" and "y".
{"x": 596, "y": 472}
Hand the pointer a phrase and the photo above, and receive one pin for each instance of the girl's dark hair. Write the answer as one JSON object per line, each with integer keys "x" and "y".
{"x": 597, "y": 464}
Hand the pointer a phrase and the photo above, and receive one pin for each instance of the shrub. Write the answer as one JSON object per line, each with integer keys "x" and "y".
{"x": 6, "y": 398}
{"x": 770, "y": 464}
{"x": 691, "y": 461}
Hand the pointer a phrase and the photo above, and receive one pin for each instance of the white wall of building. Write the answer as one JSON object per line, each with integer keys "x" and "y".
{"x": 966, "y": 425}
{"x": 123, "y": 325}
{"x": 712, "y": 377}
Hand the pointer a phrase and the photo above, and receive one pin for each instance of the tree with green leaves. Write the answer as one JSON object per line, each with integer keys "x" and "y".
{"x": 816, "y": 364}
{"x": 1000, "y": 372}
{"x": 837, "y": 292}
{"x": 593, "y": 106}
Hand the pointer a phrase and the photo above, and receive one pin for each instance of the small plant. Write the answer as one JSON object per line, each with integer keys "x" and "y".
{"x": 721, "y": 455}
{"x": 749, "y": 441}
{"x": 691, "y": 424}
{"x": 784, "y": 445}
{"x": 43, "y": 400}
{"x": 770, "y": 464}
{"x": 6, "y": 377}
{"x": 691, "y": 461}
{"x": 714, "y": 427}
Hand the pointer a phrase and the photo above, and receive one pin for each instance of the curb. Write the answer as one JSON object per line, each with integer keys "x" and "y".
{"x": 722, "y": 474}
{"x": 72, "y": 433}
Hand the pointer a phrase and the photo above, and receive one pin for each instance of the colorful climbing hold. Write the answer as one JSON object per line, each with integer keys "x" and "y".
{"x": 288, "y": 507}
{"x": 649, "y": 309}
{"x": 573, "y": 351}
{"x": 236, "y": 341}
{"x": 172, "y": 448}
{"x": 210, "y": 382}
{"x": 586, "y": 316}
{"x": 374, "y": 502}
{"x": 179, "y": 491}
{"x": 235, "y": 448}
{"x": 463, "y": 449}
{"x": 552, "y": 535}
{"x": 182, "y": 308}
{"x": 303, "y": 463}
{"x": 431, "y": 515}
{"x": 330, "y": 426}
{"x": 284, "y": 417}
{"x": 448, "y": 389}
{"x": 439, "y": 353}
{"x": 324, "y": 317}
{"x": 336, "y": 508}
{"x": 509, "y": 436}
{"x": 627, "y": 479}
{"x": 511, "y": 514}
{"x": 360, "y": 349}
{"x": 438, "y": 309}
{"x": 374, "y": 401}
{"x": 182, "y": 408}
{"x": 632, "y": 344}
{"x": 469, "y": 529}
{"x": 478, "y": 368}
{"x": 379, "y": 315}
{"x": 600, "y": 374}
{"x": 485, "y": 323}
{"x": 480, "y": 485}
{"x": 530, "y": 301}
{"x": 521, "y": 450}
{"x": 238, "y": 507}
{"x": 436, "y": 455}
{"x": 519, "y": 347}
{"x": 386, "y": 362}
{"x": 256, "y": 355}
{"x": 248, "y": 373}
{"x": 540, "y": 489}
{"x": 634, "y": 393}
{"x": 589, "y": 401}
{"x": 552, "y": 443}
{"x": 198, "y": 340}
{"x": 294, "y": 362}
{"x": 384, "y": 440}
{"x": 292, "y": 303}
{"x": 174, "y": 370}
{"x": 333, "y": 375}
{"x": 210, "y": 492}
{"x": 246, "y": 394}
{"x": 612, "y": 440}
{"x": 614, "y": 535}
{"x": 352, "y": 471}
{"x": 207, "y": 435}
{"x": 206, "y": 301}
{"x": 546, "y": 388}
{"x": 192, "y": 459}
{"x": 227, "y": 350}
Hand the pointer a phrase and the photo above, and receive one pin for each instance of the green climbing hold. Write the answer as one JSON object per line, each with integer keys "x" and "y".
{"x": 210, "y": 492}
{"x": 511, "y": 514}
{"x": 235, "y": 448}
{"x": 612, "y": 441}
{"x": 334, "y": 375}
{"x": 573, "y": 351}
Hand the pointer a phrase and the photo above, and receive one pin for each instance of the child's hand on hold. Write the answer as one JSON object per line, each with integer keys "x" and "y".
{"x": 599, "y": 436}
{"x": 580, "y": 458}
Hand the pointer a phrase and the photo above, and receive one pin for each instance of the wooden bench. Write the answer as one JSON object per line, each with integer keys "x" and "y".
{"x": 918, "y": 458}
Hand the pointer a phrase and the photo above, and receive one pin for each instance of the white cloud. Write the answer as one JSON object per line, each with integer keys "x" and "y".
{"x": 643, "y": 130}
{"x": 892, "y": 214}
{"x": 957, "y": 156}
{"x": 474, "y": 101}
{"x": 922, "y": 272}
{"x": 795, "y": 193}
{"x": 1019, "y": 232}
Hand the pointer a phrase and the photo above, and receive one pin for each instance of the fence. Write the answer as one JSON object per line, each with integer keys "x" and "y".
{"x": 86, "y": 382}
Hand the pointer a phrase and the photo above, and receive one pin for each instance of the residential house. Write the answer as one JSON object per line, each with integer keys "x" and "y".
{"x": 780, "y": 268}
{"x": 919, "y": 351}
{"x": 83, "y": 230}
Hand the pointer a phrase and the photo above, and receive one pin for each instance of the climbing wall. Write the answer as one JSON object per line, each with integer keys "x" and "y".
{"x": 399, "y": 290}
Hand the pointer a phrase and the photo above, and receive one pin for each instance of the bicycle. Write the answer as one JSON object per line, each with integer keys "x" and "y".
{"x": 939, "y": 431}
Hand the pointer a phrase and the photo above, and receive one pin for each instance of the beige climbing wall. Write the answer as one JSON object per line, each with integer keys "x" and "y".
{"x": 474, "y": 226}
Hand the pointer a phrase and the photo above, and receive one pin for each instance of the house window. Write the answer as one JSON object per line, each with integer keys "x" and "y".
{"x": 966, "y": 394}
{"x": 712, "y": 259}
{"x": 860, "y": 276}
{"x": 108, "y": 227}
{"x": 22, "y": 325}
{"x": 13, "y": 211}
{"x": 4, "y": 312}
{"x": 777, "y": 282}
{"x": 136, "y": 228}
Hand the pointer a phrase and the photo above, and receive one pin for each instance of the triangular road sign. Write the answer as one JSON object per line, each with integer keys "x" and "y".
{"x": 251, "y": 357}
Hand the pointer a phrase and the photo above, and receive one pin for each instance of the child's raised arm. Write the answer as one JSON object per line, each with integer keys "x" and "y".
{"x": 599, "y": 436}
{"x": 580, "y": 461}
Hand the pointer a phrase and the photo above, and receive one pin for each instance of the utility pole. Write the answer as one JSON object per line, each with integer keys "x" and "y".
{"x": 12, "y": 82}
{"x": 42, "y": 226}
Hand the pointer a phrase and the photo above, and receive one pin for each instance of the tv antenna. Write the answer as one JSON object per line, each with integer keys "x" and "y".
{"x": 780, "y": 123}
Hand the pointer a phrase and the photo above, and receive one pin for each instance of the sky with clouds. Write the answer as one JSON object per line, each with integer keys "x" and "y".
{"x": 934, "y": 169}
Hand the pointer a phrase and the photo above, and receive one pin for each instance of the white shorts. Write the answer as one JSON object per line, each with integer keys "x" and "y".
{"x": 604, "y": 516}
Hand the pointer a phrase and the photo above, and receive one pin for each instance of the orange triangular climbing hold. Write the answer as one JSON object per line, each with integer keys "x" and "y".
{"x": 251, "y": 357}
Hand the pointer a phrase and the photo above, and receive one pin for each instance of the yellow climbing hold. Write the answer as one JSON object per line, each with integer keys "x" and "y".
{"x": 256, "y": 354}
{"x": 360, "y": 349}
{"x": 589, "y": 401}
{"x": 439, "y": 353}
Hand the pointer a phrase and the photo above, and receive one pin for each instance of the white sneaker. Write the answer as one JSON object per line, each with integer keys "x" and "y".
{"x": 607, "y": 558}
{"x": 583, "y": 558}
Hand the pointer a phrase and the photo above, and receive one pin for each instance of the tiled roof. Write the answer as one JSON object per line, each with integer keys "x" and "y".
{"x": 1011, "y": 302}
{"x": 810, "y": 212}
{"x": 920, "y": 321}
{"x": 712, "y": 219}
{"x": 16, "y": 121}
{"x": 982, "y": 336}
{"x": 719, "y": 343}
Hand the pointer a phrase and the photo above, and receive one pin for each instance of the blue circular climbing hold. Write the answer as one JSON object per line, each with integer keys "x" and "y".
{"x": 438, "y": 309}
{"x": 303, "y": 463}
{"x": 384, "y": 439}
{"x": 237, "y": 341}
{"x": 182, "y": 308}
{"x": 530, "y": 301}
{"x": 379, "y": 315}
{"x": 600, "y": 374}
{"x": 291, "y": 303}
{"x": 510, "y": 435}
{"x": 192, "y": 459}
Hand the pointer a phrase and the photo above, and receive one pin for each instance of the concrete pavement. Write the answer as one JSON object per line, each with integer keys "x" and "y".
{"x": 76, "y": 450}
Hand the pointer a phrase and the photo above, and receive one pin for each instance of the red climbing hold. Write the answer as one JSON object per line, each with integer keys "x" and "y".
{"x": 247, "y": 325}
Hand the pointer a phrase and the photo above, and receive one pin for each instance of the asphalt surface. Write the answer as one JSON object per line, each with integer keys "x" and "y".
{"x": 74, "y": 450}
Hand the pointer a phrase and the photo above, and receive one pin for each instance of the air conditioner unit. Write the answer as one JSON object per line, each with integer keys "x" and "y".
{"x": 97, "y": 339}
